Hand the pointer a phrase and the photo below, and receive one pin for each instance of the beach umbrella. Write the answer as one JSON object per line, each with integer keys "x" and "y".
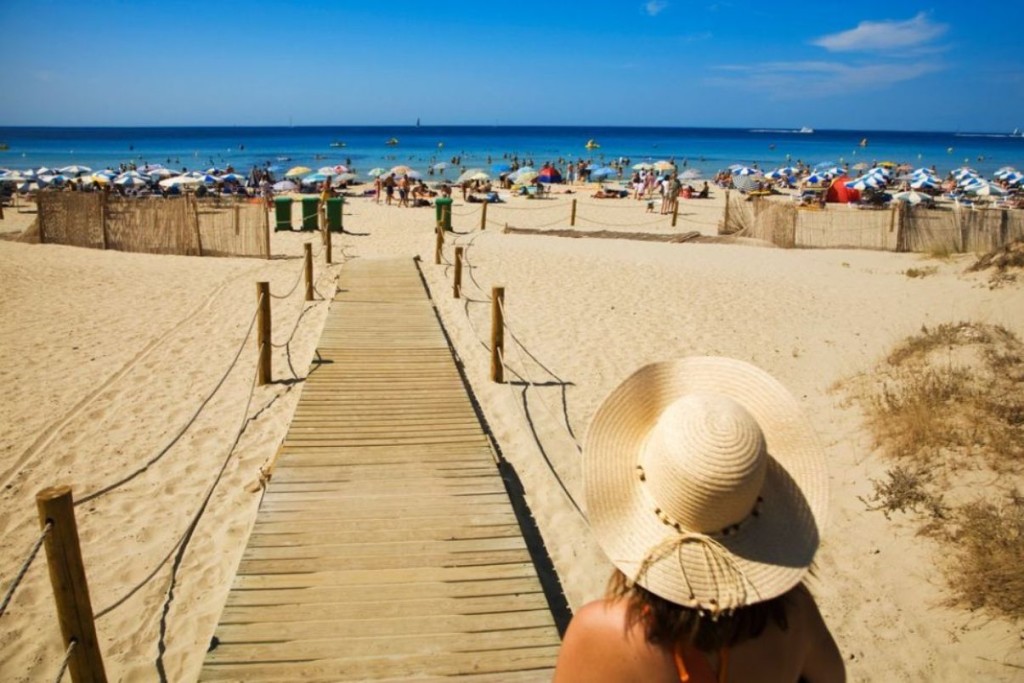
{"x": 469, "y": 175}
{"x": 126, "y": 180}
{"x": 313, "y": 178}
{"x": 912, "y": 198}
{"x": 233, "y": 178}
{"x": 343, "y": 178}
{"x": 297, "y": 171}
{"x": 100, "y": 178}
{"x": 549, "y": 175}
{"x": 814, "y": 179}
{"x": 689, "y": 174}
{"x": 161, "y": 173}
{"x": 527, "y": 169}
{"x": 663, "y": 165}
{"x": 75, "y": 170}
{"x": 860, "y": 166}
{"x": 603, "y": 173}
{"x": 1014, "y": 178}
{"x": 924, "y": 183}
{"x": 285, "y": 186}
{"x": 524, "y": 177}
{"x": 643, "y": 166}
{"x": 833, "y": 171}
{"x": 149, "y": 168}
{"x": 13, "y": 177}
{"x": 775, "y": 175}
{"x": 441, "y": 166}
{"x": 402, "y": 169}
{"x": 181, "y": 180}
{"x": 985, "y": 189}
{"x": 888, "y": 164}
{"x": 374, "y": 172}
{"x": 745, "y": 170}
{"x": 865, "y": 182}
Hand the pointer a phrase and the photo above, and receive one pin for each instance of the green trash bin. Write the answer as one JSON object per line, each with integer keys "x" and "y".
{"x": 443, "y": 215}
{"x": 282, "y": 213}
{"x": 335, "y": 223}
{"x": 309, "y": 211}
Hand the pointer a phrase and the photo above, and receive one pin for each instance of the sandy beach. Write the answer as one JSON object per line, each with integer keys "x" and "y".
{"x": 106, "y": 356}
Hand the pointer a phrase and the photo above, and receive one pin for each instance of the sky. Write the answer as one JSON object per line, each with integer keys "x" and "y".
{"x": 947, "y": 66}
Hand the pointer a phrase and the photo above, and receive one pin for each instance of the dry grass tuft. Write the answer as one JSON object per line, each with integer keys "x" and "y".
{"x": 945, "y": 402}
{"x": 921, "y": 272}
{"x": 1008, "y": 256}
{"x": 990, "y": 538}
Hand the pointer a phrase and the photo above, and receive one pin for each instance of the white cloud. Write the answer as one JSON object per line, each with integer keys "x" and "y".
{"x": 884, "y": 35}
{"x": 654, "y": 7}
{"x": 818, "y": 78}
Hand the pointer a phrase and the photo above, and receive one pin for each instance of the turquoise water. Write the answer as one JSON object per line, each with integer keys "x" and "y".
{"x": 706, "y": 149}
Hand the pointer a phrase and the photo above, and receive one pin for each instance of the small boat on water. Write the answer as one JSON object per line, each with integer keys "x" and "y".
{"x": 337, "y": 143}
{"x": 592, "y": 144}
{"x": 806, "y": 131}
{"x": 1016, "y": 133}
{"x": 863, "y": 142}
{"x": 392, "y": 142}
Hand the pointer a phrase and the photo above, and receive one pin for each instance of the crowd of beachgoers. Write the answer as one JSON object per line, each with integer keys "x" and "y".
{"x": 865, "y": 184}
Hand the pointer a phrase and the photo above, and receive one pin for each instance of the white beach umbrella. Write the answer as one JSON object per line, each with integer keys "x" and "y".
{"x": 985, "y": 189}
{"x": 161, "y": 173}
{"x": 75, "y": 170}
{"x": 689, "y": 174}
{"x": 285, "y": 186}
{"x": 912, "y": 198}
{"x": 182, "y": 181}
{"x": 127, "y": 180}
{"x": 865, "y": 182}
{"x": 472, "y": 174}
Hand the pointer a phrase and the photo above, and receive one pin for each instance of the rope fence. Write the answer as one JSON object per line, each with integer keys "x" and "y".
{"x": 59, "y": 532}
{"x": 521, "y": 374}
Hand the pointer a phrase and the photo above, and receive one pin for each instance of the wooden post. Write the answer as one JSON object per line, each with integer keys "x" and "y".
{"x": 266, "y": 230}
{"x": 103, "y": 220}
{"x": 308, "y": 248}
{"x": 725, "y": 218}
{"x": 439, "y": 245}
{"x": 483, "y": 216}
{"x": 497, "y": 333}
{"x": 446, "y": 216}
{"x": 263, "y": 332}
{"x": 572, "y": 218}
{"x": 70, "y": 588}
{"x": 327, "y": 246}
{"x": 458, "y": 272}
{"x": 675, "y": 213}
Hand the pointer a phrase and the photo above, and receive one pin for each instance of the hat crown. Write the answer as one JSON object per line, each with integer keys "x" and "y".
{"x": 704, "y": 463}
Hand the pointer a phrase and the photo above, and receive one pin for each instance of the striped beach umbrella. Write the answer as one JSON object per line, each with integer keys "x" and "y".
{"x": 924, "y": 183}
{"x": 75, "y": 170}
{"x": 746, "y": 170}
{"x": 865, "y": 182}
{"x": 912, "y": 198}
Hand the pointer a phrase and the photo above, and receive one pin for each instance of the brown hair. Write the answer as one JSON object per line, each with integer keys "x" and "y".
{"x": 666, "y": 623}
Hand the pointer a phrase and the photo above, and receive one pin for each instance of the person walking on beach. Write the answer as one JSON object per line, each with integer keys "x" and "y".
{"x": 389, "y": 189}
{"x": 707, "y": 490}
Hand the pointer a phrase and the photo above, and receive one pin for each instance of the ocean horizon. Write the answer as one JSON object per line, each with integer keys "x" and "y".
{"x": 420, "y": 146}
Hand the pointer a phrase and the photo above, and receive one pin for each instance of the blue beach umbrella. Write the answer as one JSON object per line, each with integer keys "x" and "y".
{"x": 924, "y": 183}
{"x": 745, "y": 170}
{"x": 603, "y": 173}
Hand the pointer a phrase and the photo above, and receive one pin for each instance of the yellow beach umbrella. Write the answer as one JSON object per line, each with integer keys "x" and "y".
{"x": 298, "y": 171}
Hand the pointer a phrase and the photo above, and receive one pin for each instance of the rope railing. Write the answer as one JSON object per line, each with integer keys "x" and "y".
{"x": 524, "y": 404}
{"x": 522, "y": 377}
{"x": 64, "y": 663}
{"x": 181, "y": 432}
{"x": 33, "y": 552}
{"x": 190, "y": 530}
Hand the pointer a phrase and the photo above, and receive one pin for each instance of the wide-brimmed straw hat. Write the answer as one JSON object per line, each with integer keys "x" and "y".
{"x": 705, "y": 484}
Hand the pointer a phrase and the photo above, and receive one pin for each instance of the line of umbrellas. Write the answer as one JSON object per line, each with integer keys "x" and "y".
{"x": 147, "y": 176}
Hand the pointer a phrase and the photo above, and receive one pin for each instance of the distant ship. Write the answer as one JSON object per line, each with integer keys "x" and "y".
{"x": 337, "y": 143}
{"x": 592, "y": 144}
{"x": 806, "y": 130}
{"x": 392, "y": 142}
{"x": 863, "y": 142}
{"x": 1016, "y": 133}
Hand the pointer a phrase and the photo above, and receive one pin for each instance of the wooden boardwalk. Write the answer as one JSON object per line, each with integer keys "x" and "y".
{"x": 386, "y": 547}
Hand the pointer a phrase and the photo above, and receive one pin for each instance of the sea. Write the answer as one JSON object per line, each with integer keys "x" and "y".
{"x": 364, "y": 148}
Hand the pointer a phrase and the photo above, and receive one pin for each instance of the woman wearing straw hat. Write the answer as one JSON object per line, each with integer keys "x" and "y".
{"x": 707, "y": 490}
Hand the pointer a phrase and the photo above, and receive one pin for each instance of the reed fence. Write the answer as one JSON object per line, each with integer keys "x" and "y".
{"x": 894, "y": 228}
{"x": 183, "y": 226}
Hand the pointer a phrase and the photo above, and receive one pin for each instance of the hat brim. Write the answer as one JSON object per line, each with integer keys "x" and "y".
{"x": 771, "y": 551}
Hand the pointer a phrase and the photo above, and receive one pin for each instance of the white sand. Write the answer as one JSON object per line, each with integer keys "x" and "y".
{"x": 104, "y": 356}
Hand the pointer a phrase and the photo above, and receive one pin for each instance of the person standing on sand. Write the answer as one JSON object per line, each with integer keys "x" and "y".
{"x": 707, "y": 490}
{"x": 389, "y": 189}
{"x": 378, "y": 188}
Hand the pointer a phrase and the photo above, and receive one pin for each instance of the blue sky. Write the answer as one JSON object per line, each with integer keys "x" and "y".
{"x": 865, "y": 65}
